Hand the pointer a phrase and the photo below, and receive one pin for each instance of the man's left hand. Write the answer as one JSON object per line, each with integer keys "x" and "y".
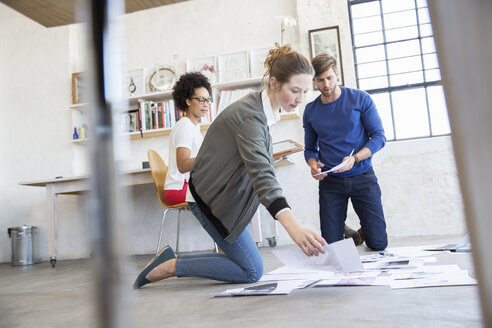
{"x": 350, "y": 163}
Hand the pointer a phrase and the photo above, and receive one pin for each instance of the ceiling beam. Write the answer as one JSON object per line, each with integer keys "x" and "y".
{"x": 50, "y": 13}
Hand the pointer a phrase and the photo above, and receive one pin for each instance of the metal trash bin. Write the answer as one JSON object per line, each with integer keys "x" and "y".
{"x": 24, "y": 245}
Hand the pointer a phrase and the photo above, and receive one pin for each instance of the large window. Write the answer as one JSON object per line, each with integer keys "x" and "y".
{"x": 396, "y": 62}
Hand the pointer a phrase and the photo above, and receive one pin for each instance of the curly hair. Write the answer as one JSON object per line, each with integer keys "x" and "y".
{"x": 185, "y": 88}
{"x": 283, "y": 61}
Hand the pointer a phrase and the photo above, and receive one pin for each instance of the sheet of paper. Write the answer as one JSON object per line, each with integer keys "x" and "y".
{"x": 358, "y": 281}
{"x": 297, "y": 259}
{"x": 269, "y": 288}
{"x": 411, "y": 251}
{"x": 340, "y": 256}
{"x": 433, "y": 279}
{"x": 464, "y": 243}
{"x": 396, "y": 264}
{"x": 337, "y": 167}
{"x": 463, "y": 246}
{"x": 287, "y": 273}
{"x": 364, "y": 278}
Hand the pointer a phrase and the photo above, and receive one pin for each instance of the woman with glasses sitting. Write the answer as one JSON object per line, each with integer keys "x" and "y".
{"x": 192, "y": 95}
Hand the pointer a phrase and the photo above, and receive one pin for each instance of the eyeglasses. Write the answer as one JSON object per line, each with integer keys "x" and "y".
{"x": 203, "y": 100}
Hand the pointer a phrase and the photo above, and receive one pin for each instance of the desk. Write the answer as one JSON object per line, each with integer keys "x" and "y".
{"x": 80, "y": 184}
{"x": 75, "y": 186}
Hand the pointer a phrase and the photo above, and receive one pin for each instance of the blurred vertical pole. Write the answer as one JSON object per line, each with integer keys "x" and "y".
{"x": 103, "y": 194}
{"x": 462, "y": 30}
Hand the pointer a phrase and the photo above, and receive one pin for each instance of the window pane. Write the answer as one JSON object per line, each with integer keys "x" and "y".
{"x": 384, "y": 109}
{"x": 432, "y": 75}
{"x": 424, "y": 15}
{"x": 404, "y": 65}
{"x": 438, "y": 111}
{"x": 366, "y": 39}
{"x": 370, "y": 54}
{"x": 365, "y": 9}
{"x": 430, "y": 61}
{"x": 372, "y": 69}
{"x": 392, "y": 5}
{"x": 373, "y": 83}
{"x": 368, "y": 24}
{"x": 406, "y": 78}
{"x": 402, "y": 33}
{"x": 428, "y": 45}
{"x": 425, "y": 30}
{"x": 394, "y": 47}
{"x": 403, "y": 49}
{"x": 410, "y": 110}
{"x": 399, "y": 19}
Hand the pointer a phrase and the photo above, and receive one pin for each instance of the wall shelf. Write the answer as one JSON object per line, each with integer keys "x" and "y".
{"x": 124, "y": 105}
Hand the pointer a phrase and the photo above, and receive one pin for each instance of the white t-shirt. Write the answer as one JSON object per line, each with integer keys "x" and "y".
{"x": 184, "y": 134}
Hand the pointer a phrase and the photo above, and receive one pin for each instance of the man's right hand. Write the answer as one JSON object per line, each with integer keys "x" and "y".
{"x": 316, "y": 169}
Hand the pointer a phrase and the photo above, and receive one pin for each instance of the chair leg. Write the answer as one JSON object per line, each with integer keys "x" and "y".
{"x": 177, "y": 232}
{"x": 160, "y": 233}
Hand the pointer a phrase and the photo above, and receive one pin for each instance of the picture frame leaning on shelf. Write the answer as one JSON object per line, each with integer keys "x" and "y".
{"x": 132, "y": 83}
{"x": 207, "y": 66}
{"x": 233, "y": 67}
{"x": 257, "y": 59}
{"x": 327, "y": 40}
{"x": 79, "y": 87}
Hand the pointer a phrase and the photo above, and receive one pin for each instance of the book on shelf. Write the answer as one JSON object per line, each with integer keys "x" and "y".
{"x": 227, "y": 97}
{"x": 132, "y": 118}
{"x": 128, "y": 121}
{"x": 139, "y": 120}
{"x": 157, "y": 115}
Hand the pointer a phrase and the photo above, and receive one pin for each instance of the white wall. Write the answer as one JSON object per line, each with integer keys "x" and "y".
{"x": 35, "y": 84}
{"x": 418, "y": 178}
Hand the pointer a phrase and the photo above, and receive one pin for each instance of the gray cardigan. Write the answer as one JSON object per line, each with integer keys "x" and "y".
{"x": 233, "y": 171}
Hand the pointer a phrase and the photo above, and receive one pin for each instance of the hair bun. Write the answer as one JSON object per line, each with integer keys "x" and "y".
{"x": 275, "y": 53}
{"x": 283, "y": 61}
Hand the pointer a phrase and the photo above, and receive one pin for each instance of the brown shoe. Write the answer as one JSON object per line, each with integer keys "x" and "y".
{"x": 358, "y": 238}
{"x": 348, "y": 232}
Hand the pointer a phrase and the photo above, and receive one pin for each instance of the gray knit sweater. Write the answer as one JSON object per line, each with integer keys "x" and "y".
{"x": 233, "y": 171}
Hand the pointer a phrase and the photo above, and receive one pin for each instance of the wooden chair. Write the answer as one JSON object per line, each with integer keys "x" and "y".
{"x": 159, "y": 171}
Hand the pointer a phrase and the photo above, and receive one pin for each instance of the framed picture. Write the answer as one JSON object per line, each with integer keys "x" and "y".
{"x": 207, "y": 66}
{"x": 233, "y": 67}
{"x": 132, "y": 83}
{"x": 285, "y": 147}
{"x": 327, "y": 40}
{"x": 79, "y": 88}
{"x": 257, "y": 62}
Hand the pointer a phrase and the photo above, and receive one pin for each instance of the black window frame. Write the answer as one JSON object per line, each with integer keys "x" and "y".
{"x": 390, "y": 89}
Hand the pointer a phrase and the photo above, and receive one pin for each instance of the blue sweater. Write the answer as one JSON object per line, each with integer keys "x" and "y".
{"x": 332, "y": 130}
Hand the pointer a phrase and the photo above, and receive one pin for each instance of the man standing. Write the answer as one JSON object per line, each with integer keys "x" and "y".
{"x": 343, "y": 125}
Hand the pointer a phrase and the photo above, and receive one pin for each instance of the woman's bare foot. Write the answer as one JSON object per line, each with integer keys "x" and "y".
{"x": 162, "y": 271}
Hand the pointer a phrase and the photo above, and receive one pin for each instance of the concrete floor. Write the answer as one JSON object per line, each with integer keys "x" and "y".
{"x": 40, "y": 296}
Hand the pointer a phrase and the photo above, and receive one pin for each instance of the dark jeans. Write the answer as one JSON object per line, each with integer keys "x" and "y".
{"x": 365, "y": 194}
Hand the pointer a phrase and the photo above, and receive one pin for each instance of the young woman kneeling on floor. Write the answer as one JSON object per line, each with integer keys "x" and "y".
{"x": 233, "y": 172}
